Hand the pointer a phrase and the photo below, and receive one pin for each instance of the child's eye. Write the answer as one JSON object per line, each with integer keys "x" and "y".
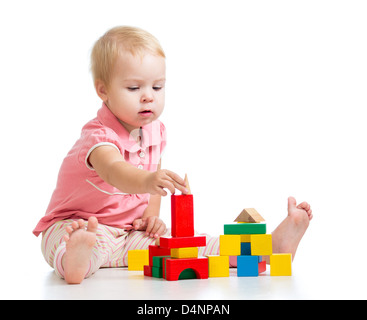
{"x": 133, "y": 88}
{"x": 157, "y": 88}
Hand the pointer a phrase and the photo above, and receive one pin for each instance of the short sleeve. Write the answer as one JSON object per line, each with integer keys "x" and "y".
{"x": 92, "y": 139}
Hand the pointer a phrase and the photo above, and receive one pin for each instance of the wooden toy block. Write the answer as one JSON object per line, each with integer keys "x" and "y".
{"x": 281, "y": 264}
{"x": 137, "y": 259}
{"x": 148, "y": 271}
{"x": 247, "y": 266}
{"x": 245, "y": 249}
{"x": 229, "y": 245}
{"x": 158, "y": 261}
{"x": 249, "y": 215}
{"x": 182, "y": 253}
{"x": 262, "y": 266}
{"x": 233, "y": 261}
{"x": 245, "y": 228}
{"x": 182, "y": 215}
{"x": 174, "y": 267}
{"x": 187, "y": 274}
{"x": 164, "y": 267}
{"x": 218, "y": 266}
{"x": 261, "y": 245}
{"x": 187, "y": 185}
{"x": 183, "y": 242}
{"x": 157, "y": 272}
{"x": 245, "y": 237}
{"x": 157, "y": 251}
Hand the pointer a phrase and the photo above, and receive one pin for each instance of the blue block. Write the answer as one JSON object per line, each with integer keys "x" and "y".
{"x": 245, "y": 249}
{"x": 247, "y": 266}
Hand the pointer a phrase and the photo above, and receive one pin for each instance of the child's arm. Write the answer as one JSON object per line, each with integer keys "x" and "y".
{"x": 112, "y": 168}
{"x": 150, "y": 222}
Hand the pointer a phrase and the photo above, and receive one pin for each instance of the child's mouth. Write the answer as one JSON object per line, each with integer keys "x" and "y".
{"x": 146, "y": 113}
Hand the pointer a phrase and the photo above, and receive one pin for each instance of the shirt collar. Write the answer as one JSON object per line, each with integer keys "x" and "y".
{"x": 151, "y": 133}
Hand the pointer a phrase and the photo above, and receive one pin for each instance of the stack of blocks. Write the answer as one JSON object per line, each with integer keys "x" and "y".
{"x": 176, "y": 257}
{"x": 248, "y": 242}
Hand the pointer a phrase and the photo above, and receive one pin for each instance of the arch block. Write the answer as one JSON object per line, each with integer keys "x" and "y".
{"x": 172, "y": 268}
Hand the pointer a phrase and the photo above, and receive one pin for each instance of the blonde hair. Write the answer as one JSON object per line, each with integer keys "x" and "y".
{"x": 115, "y": 41}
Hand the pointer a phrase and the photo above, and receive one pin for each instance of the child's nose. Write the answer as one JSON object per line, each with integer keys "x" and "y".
{"x": 147, "y": 97}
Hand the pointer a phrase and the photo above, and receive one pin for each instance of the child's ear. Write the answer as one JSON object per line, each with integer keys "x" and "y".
{"x": 101, "y": 90}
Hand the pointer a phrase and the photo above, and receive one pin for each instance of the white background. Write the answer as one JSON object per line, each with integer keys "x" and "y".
{"x": 265, "y": 99}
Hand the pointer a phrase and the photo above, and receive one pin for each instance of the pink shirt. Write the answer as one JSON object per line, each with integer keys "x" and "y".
{"x": 81, "y": 193}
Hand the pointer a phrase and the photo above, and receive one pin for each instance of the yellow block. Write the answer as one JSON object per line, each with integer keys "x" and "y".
{"x": 261, "y": 245}
{"x": 281, "y": 264}
{"x": 245, "y": 237}
{"x": 230, "y": 245}
{"x": 182, "y": 253}
{"x": 218, "y": 266}
{"x": 137, "y": 259}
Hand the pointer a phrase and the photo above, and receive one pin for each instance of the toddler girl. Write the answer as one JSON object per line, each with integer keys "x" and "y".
{"x": 112, "y": 176}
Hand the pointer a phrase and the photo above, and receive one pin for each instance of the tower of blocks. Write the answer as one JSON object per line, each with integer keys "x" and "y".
{"x": 247, "y": 242}
{"x": 177, "y": 258}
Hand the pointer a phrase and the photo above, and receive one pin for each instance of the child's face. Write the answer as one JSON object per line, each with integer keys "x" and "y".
{"x": 136, "y": 93}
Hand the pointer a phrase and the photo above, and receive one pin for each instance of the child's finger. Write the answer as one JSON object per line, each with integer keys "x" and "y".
{"x": 161, "y": 192}
{"x": 175, "y": 177}
{"x": 165, "y": 183}
{"x": 139, "y": 224}
{"x": 127, "y": 227}
{"x": 183, "y": 188}
{"x": 179, "y": 187}
{"x": 150, "y": 225}
{"x": 177, "y": 182}
{"x": 161, "y": 230}
{"x": 136, "y": 224}
{"x": 157, "y": 226}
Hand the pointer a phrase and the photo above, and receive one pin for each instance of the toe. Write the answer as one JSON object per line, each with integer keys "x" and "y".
{"x": 81, "y": 223}
{"x": 69, "y": 229}
{"x": 92, "y": 224}
{"x": 75, "y": 225}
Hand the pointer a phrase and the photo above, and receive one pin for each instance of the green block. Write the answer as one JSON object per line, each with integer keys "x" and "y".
{"x": 157, "y": 261}
{"x": 245, "y": 228}
{"x": 187, "y": 274}
{"x": 157, "y": 272}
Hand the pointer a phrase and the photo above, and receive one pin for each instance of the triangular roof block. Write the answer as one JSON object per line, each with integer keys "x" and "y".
{"x": 249, "y": 215}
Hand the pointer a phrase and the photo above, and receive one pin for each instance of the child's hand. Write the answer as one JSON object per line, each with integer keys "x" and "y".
{"x": 153, "y": 226}
{"x": 157, "y": 181}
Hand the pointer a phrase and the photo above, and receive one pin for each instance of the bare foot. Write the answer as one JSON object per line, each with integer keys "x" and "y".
{"x": 79, "y": 245}
{"x": 287, "y": 236}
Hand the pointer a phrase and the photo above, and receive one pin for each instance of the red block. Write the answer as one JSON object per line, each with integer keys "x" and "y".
{"x": 173, "y": 268}
{"x": 164, "y": 267}
{"x": 183, "y": 242}
{"x": 155, "y": 251}
{"x": 148, "y": 271}
{"x": 262, "y": 266}
{"x": 182, "y": 215}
